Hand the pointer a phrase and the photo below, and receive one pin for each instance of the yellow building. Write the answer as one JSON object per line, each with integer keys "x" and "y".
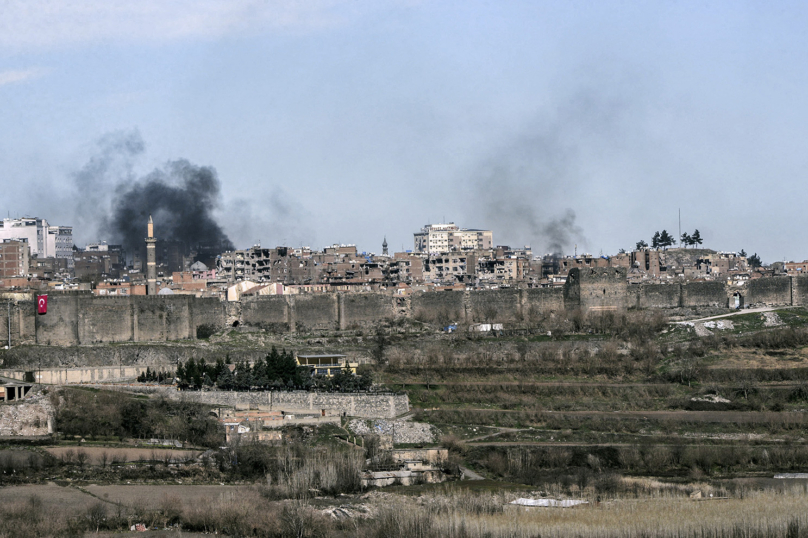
{"x": 326, "y": 364}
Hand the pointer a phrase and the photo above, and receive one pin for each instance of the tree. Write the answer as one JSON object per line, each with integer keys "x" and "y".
{"x": 686, "y": 239}
{"x": 742, "y": 253}
{"x": 655, "y": 241}
{"x": 665, "y": 239}
{"x": 641, "y": 244}
{"x": 226, "y": 380}
{"x": 696, "y": 239}
{"x": 754, "y": 261}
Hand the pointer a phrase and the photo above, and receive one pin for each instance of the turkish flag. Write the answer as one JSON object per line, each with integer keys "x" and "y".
{"x": 41, "y": 304}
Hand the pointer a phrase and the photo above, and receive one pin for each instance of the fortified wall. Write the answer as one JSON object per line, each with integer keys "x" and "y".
{"x": 81, "y": 318}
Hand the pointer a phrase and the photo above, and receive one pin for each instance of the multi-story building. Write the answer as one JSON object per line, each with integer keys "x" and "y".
{"x": 59, "y": 244}
{"x": 44, "y": 241}
{"x": 13, "y": 258}
{"x": 437, "y": 238}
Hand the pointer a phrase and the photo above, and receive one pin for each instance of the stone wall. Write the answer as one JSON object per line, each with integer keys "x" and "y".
{"x": 769, "y": 291}
{"x": 538, "y": 300}
{"x": 79, "y": 319}
{"x": 494, "y": 305}
{"x": 315, "y": 312}
{"x": 799, "y": 291}
{"x": 70, "y": 376}
{"x": 658, "y": 295}
{"x": 712, "y": 294}
{"x": 266, "y": 312}
{"x": 598, "y": 288}
{"x": 448, "y": 305}
{"x": 366, "y": 405}
{"x": 357, "y": 309}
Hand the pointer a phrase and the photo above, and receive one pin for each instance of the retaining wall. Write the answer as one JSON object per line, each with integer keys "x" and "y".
{"x": 355, "y": 405}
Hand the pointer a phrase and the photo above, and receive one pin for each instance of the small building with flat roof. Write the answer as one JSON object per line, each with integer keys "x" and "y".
{"x": 326, "y": 364}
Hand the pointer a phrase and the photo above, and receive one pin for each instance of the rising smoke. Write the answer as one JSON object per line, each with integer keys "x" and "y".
{"x": 520, "y": 191}
{"x": 115, "y": 204}
{"x": 526, "y": 188}
{"x": 180, "y": 197}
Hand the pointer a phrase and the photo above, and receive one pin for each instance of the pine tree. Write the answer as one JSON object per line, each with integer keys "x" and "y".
{"x": 641, "y": 244}
{"x": 201, "y": 370}
{"x": 273, "y": 365}
{"x": 217, "y": 369}
{"x": 190, "y": 372}
{"x": 696, "y": 238}
{"x": 665, "y": 239}
{"x": 655, "y": 240}
{"x": 226, "y": 380}
{"x": 288, "y": 368}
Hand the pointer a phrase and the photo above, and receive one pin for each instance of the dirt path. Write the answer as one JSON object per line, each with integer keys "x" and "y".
{"x": 738, "y": 313}
{"x": 500, "y": 432}
{"x": 468, "y": 474}
{"x": 693, "y": 416}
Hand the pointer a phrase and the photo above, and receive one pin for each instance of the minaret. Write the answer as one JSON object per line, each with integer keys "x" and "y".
{"x": 151, "y": 261}
{"x": 384, "y": 246}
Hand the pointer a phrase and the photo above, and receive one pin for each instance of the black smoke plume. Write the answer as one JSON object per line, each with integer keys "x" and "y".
{"x": 180, "y": 197}
{"x": 113, "y": 204}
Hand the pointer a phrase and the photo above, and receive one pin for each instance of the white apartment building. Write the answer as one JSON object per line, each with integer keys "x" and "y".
{"x": 435, "y": 238}
{"x": 44, "y": 241}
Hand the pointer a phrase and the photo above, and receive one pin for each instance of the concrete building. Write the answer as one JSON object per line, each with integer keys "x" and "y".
{"x": 13, "y": 258}
{"x": 437, "y": 238}
{"x": 59, "y": 244}
{"x": 326, "y": 364}
{"x": 44, "y": 241}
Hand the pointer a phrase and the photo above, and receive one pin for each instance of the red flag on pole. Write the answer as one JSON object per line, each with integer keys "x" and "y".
{"x": 41, "y": 304}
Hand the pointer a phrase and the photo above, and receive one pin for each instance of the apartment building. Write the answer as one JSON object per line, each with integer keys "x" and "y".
{"x": 437, "y": 238}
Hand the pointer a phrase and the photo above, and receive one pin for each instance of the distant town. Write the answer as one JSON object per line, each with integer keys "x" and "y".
{"x": 38, "y": 256}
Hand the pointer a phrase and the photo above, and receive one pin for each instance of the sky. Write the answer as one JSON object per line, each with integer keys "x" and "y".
{"x": 579, "y": 125}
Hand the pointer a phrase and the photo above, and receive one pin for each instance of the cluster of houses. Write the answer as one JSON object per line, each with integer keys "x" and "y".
{"x": 34, "y": 255}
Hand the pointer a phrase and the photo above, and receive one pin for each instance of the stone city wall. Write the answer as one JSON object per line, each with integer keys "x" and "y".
{"x": 79, "y": 319}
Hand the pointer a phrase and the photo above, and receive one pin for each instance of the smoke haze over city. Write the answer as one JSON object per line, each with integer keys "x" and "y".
{"x": 554, "y": 124}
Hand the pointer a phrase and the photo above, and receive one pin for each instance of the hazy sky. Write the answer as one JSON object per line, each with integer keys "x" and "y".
{"x": 332, "y": 121}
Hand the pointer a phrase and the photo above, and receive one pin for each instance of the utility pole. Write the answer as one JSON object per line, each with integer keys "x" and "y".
{"x": 9, "y": 325}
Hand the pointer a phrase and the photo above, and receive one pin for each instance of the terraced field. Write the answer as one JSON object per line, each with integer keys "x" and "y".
{"x": 675, "y": 402}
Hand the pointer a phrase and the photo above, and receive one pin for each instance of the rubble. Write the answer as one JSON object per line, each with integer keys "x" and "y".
{"x": 29, "y": 417}
{"x": 402, "y": 431}
{"x": 772, "y": 319}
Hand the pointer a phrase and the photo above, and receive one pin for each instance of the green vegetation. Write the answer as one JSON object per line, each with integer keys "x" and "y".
{"x": 86, "y": 413}
{"x": 277, "y": 371}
